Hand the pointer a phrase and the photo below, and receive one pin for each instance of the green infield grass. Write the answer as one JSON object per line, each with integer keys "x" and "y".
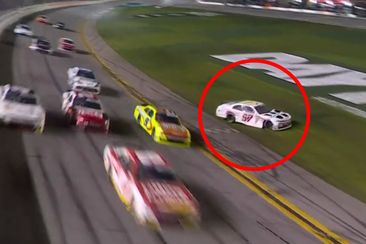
{"x": 175, "y": 50}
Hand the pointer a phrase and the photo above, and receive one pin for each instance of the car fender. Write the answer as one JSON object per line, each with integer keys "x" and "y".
{"x": 229, "y": 112}
{"x": 138, "y": 203}
{"x": 137, "y": 112}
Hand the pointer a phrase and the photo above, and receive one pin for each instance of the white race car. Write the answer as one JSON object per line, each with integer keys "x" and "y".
{"x": 24, "y": 30}
{"x": 84, "y": 110}
{"x": 81, "y": 79}
{"x": 254, "y": 114}
{"x": 41, "y": 45}
{"x": 148, "y": 186}
{"x": 20, "y": 106}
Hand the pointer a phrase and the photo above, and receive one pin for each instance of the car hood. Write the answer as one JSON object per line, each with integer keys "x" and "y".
{"x": 168, "y": 197}
{"x": 174, "y": 129}
{"x": 23, "y": 110}
{"x": 276, "y": 115}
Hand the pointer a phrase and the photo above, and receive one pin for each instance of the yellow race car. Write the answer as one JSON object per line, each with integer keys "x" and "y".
{"x": 162, "y": 124}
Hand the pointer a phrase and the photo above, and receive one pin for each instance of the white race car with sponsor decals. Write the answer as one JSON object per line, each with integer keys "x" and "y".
{"x": 19, "y": 105}
{"x": 22, "y": 29}
{"x": 84, "y": 110}
{"x": 41, "y": 45}
{"x": 81, "y": 79}
{"x": 254, "y": 114}
{"x": 148, "y": 186}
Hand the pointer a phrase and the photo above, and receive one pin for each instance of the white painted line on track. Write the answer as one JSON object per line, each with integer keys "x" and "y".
{"x": 353, "y": 97}
{"x": 347, "y": 108}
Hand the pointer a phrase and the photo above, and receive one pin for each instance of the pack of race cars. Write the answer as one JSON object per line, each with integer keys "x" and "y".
{"x": 144, "y": 180}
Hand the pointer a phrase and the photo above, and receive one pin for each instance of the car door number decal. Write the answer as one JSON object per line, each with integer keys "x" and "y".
{"x": 247, "y": 117}
{"x": 148, "y": 124}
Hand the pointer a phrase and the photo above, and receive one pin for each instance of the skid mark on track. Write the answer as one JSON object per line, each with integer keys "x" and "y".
{"x": 273, "y": 232}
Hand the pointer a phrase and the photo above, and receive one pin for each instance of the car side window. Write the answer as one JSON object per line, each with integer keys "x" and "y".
{"x": 151, "y": 113}
{"x": 248, "y": 109}
{"x": 237, "y": 107}
{"x": 147, "y": 110}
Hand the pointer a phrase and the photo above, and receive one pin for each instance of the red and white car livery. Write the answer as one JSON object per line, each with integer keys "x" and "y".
{"x": 254, "y": 114}
{"x": 148, "y": 186}
{"x": 84, "y": 110}
{"x": 66, "y": 44}
{"x": 42, "y": 19}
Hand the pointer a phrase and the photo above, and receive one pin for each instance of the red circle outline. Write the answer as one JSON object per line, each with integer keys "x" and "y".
{"x": 224, "y": 159}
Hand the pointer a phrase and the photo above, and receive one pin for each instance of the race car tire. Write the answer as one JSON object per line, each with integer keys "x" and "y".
{"x": 70, "y": 119}
{"x": 190, "y": 222}
{"x": 139, "y": 119}
{"x": 107, "y": 167}
{"x": 131, "y": 208}
{"x": 267, "y": 124}
{"x": 230, "y": 118}
{"x": 39, "y": 129}
{"x": 153, "y": 134}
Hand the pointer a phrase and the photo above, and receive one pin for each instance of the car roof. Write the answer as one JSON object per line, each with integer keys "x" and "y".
{"x": 66, "y": 39}
{"x": 149, "y": 158}
{"x": 84, "y": 69}
{"x": 20, "y": 89}
{"x": 251, "y": 103}
{"x": 42, "y": 39}
{"x": 88, "y": 95}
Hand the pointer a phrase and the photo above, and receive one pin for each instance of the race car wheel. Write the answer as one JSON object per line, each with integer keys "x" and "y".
{"x": 190, "y": 222}
{"x": 153, "y": 134}
{"x": 267, "y": 124}
{"x": 230, "y": 118}
{"x": 39, "y": 129}
{"x": 70, "y": 119}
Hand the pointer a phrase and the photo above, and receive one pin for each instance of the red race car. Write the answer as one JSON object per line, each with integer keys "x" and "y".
{"x": 66, "y": 44}
{"x": 84, "y": 110}
{"x": 148, "y": 186}
{"x": 42, "y": 19}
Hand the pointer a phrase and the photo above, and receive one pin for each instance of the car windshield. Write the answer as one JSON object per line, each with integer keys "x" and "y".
{"x": 43, "y": 43}
{"x": 162, "y": 173}
{"x": 261, "y": 109}
{"x": 68, "y": 41}
{"x": 25, "y": 27}
{"x": 86, "y": 74}
{"x": 16, "y": 96}
{"x": 164, "y": 118}
{"x": 28, "y": 100}
{"x": 83, "y": 102}
{"x": 12, "y": 95}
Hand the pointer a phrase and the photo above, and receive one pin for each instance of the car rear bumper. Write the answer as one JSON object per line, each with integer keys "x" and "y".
{"x": 78, "y": 88}
{"x": 185, "y": 142}
{"x": 24, "y": 122}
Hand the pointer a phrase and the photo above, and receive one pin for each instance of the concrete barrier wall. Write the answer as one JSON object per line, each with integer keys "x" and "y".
{"x": 11, "y": 4}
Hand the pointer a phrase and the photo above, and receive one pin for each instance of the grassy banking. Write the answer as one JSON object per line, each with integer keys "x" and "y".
{"x": 175, "y": 51}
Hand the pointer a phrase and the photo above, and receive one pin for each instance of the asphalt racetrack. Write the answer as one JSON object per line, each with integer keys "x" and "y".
{"x": 77, "y": 200}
